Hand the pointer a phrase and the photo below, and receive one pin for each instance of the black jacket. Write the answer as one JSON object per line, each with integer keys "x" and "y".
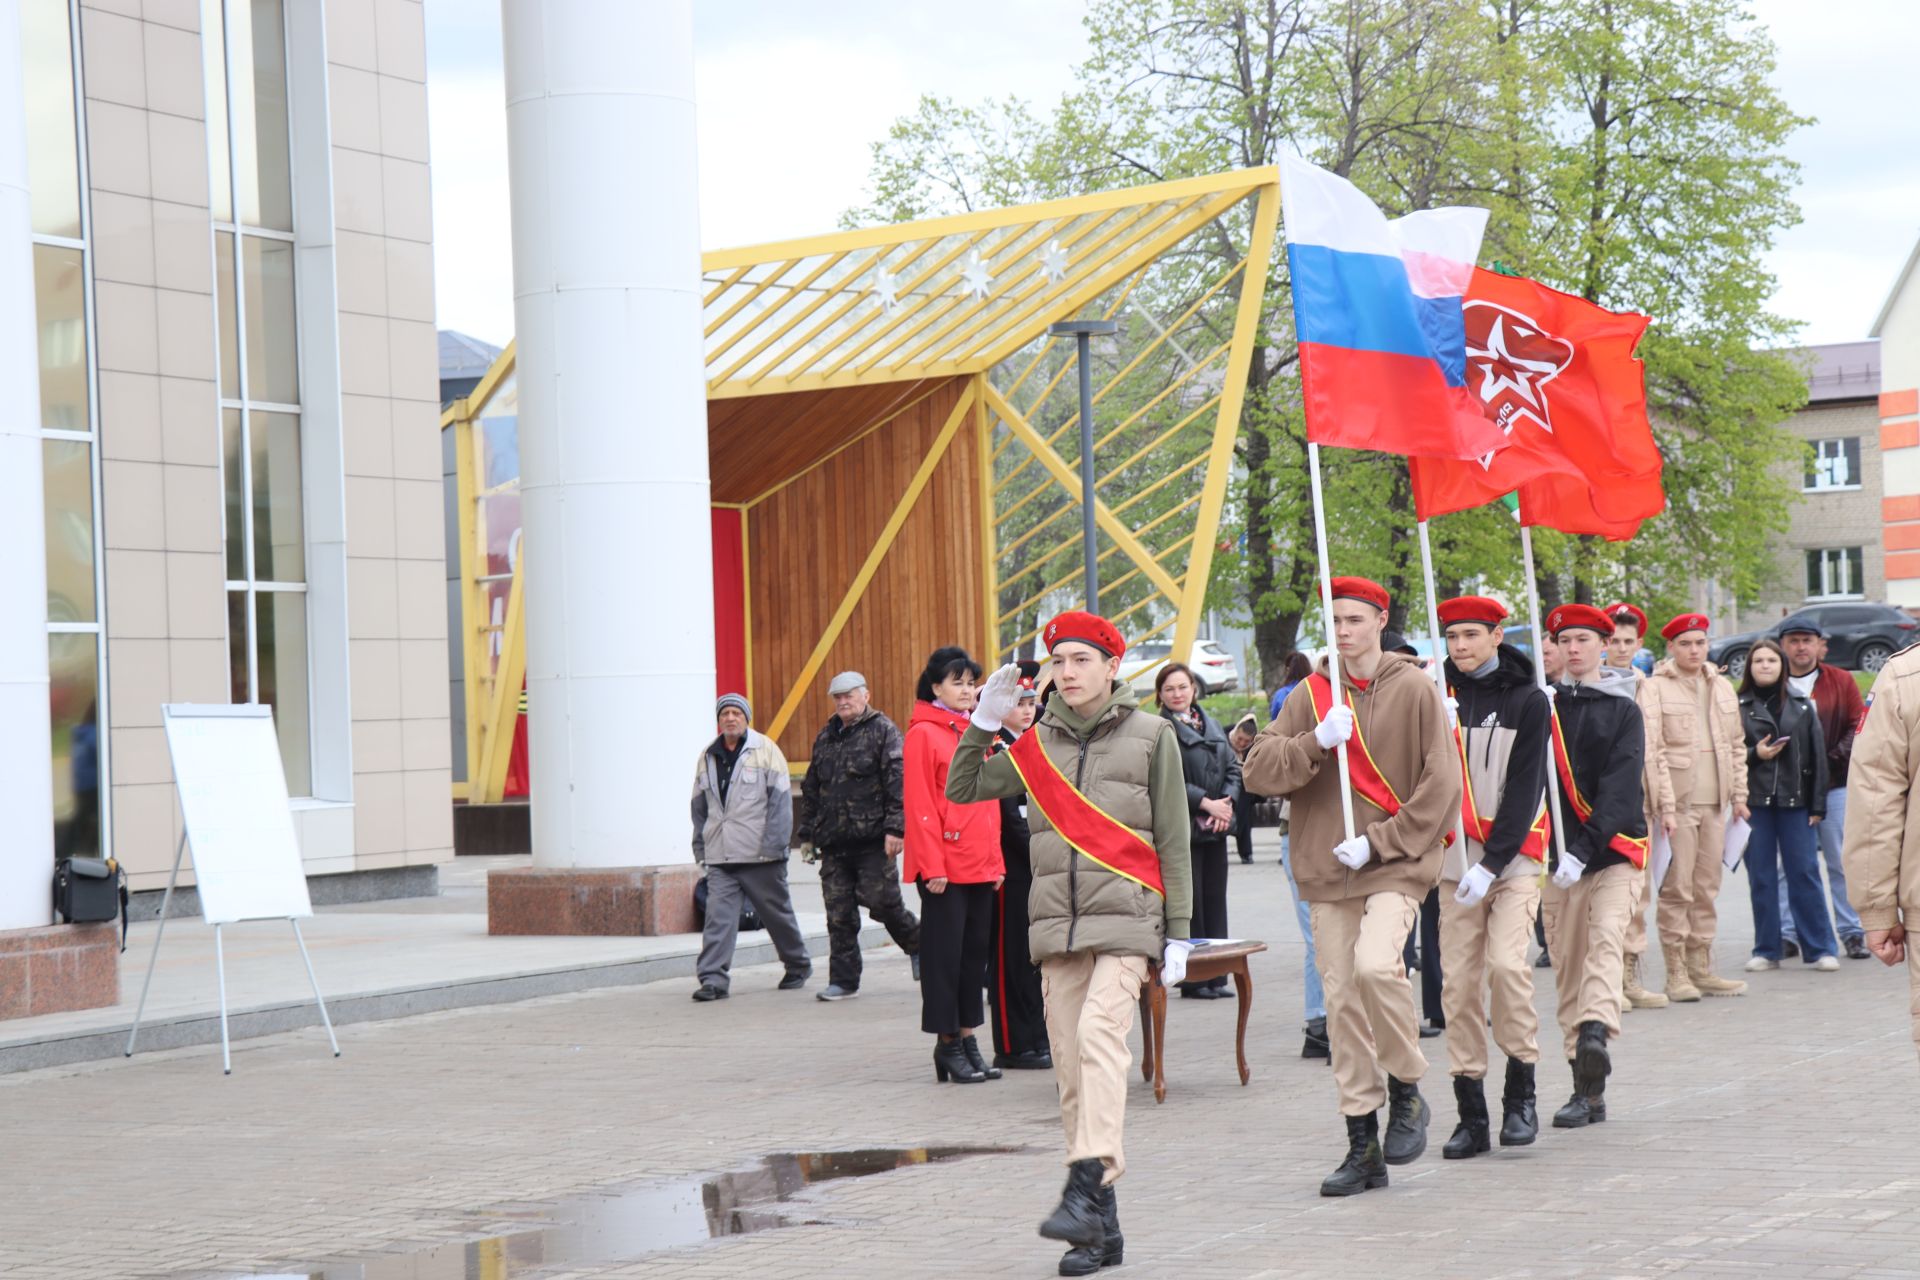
{"x": 1211, "y": 764}
{"x": 1797, "y": 777}
{"x": 1016, "y": 838}
{"x": 1504, "y": 721}
{"x": 1606, "y": 743}
{"x": 852, "y": 792}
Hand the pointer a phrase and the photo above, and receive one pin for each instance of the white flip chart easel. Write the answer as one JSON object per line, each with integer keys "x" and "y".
{"x": 246, "y": 858}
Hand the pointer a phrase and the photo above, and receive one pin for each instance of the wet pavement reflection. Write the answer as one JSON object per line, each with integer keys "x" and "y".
{"x": 629, "y": 1222}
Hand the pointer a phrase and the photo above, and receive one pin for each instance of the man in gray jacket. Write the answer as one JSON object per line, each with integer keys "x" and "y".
{"x": 742, "y": 824}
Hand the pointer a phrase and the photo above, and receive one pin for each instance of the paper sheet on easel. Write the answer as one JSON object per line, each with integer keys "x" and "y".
{"x": 1738, "y": 832}
{"x": 1659, "y": 856}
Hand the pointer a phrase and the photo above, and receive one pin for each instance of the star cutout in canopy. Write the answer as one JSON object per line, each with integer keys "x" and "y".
{"x": 886, "y": 286}
{"x": 1053, "y": 261}
{"x": 976, "y": 276}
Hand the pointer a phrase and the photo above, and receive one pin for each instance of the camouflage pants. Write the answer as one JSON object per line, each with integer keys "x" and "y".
{"x": 856, "y": 876}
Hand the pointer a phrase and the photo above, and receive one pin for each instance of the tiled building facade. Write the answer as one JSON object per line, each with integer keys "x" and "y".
{"x": 1898, "y": 329}
{"x": 233, "y": 295}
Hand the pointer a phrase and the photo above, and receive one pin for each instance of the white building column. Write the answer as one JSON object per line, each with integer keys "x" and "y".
{"x": 26, "y": 757}
{"x": 613, "y": 424}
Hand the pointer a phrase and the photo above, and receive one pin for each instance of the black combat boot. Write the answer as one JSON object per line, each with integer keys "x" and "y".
{"x": 1317, "y": 1045}
{"x": 1580, "y": 1110}
{"x": 1364, "y": 1169}
{"x": 1519, "y": 1121}
{"x": 1590, "y": 1061}
{"x": 1084, "y": 1260}
{"x": 1078, "y": 1218}
{"x": 1407, "y": 1117}
{"x": 1470, "y": 1136}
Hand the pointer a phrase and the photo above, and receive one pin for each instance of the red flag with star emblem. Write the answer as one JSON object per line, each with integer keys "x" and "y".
{"x": 1559, "y": 376}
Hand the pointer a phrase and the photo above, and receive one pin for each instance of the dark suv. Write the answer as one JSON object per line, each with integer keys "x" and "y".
{"x": 1860, "y": 636}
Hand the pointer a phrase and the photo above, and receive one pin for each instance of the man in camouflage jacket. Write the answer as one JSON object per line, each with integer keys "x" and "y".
{"x": 852, "y": 818}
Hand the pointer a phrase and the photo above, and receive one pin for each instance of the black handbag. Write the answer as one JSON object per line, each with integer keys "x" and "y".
{"x": 749, "y": 919}
{"x": 90, "y": 891}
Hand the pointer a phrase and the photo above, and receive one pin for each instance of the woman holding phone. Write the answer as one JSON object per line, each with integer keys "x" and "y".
{"x": 1787, "y": 793}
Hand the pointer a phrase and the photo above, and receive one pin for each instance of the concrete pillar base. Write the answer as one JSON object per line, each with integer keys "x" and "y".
{"x": 604, "y": 901}
{"x": 59, "y": 968}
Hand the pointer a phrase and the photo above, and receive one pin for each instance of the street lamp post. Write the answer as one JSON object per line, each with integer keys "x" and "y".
{"x": 1083, "y": 331}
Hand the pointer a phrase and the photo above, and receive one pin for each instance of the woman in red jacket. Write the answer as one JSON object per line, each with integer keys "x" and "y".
{"x": 953, "y": 858}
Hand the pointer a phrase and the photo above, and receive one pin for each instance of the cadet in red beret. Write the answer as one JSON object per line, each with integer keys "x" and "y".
{"x": 1598, "y": 755}
{"x": 1489, "y": 878}
{"x": 1629, "y": 633}
{"x": 1364, "y": 889}
{"x": 1703, "y": 744}
{"x": 1093, "y": 853}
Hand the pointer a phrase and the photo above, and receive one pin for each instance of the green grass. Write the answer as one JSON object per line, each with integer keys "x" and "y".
{"x": 1864, "y": 679}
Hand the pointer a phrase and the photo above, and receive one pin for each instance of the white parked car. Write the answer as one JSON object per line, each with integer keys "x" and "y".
{"x": 1215, "y": 668}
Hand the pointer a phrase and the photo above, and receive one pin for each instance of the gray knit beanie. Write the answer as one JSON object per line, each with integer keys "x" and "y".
{"x": 734, "y": 700}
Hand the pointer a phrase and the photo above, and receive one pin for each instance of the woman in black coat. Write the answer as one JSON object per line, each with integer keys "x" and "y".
{"x": 1213, "y": 785}
{"x": 1013, "y": 980}
{"x": 1787, "y": 794}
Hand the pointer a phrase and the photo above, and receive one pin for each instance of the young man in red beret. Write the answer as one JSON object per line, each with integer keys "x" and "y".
{"x": 1365, "y": 889}
{"x": 1112, "y": 891}
{"x": 1599, "y": 744}
{"x": 1704, "y": 745}
{"x": 1490, "y": 874}
{"x": 1629, "y": 630}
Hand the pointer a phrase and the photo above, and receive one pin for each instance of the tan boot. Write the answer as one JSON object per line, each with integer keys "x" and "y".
{"x": 1637, "y": 996}
{"x": 1679, "y": 989}
{"x": 1700, "y": 970}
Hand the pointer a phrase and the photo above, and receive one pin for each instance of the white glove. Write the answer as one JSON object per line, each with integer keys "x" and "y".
{"x": 1569, "y": 870}
{"x": 1453, "y": 712}
{"x": 809, "y": 854}
{"x": 998, "y": 697}
{"x": 1353, "y": 853}
{"x": 1474, "y": 886}
{"x": 1173, "y": 964}
{"x": 1551, "y": 692}
{"x": 1335, "y": 729}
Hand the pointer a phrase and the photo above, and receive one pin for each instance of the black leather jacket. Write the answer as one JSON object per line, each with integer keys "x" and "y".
{"x": 1797, "y": 777}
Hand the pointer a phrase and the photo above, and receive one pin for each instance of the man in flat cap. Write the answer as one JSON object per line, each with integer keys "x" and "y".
{"x": 1365, "y": 888}
{"x": 1629, "y": 630}
{"x": 1490, "y": 874}
{"x": 1704, "y": 745}
{"x": 1836, "y": 697}
{"x": 853, "y": 821}
{"x": 1112, "y": 890}
{"x": 742, "y": 825}
{"x": 1599, "y": 741}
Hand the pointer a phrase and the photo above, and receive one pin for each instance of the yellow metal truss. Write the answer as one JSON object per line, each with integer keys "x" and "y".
{"x": 962, "y": 295}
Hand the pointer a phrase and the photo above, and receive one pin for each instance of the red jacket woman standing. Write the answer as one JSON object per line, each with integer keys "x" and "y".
{"x": 953, "y": 858}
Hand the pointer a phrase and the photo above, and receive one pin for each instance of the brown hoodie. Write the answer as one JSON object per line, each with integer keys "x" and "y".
{"x": 1401, "y": 717}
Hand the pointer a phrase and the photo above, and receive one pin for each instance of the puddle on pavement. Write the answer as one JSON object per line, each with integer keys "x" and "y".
{"x": 631, "y": 1222}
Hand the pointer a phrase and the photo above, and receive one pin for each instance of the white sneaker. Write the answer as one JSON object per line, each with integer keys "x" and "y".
{"x": 1760, "y": 964}
{"x": 1827, "y": 964}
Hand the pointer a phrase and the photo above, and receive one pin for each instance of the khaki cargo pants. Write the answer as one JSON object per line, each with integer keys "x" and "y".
{"x": 1686, "y": 914}
{"x": 1370, "y": 1019}
{"x": 1091, "y": 999}
{"x": 1485, "y": 946}
{"x": 1586, "y": 926}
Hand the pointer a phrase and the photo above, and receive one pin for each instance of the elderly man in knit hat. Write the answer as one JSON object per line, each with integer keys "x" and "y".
{"x": 742, "y": 823}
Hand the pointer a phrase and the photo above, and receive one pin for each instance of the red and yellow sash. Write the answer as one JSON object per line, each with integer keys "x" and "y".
{"x": 1368, "y": 781}
{"x": 1634, "y": 851}
{"x": 1089, "y": 829}
{"x": 1479, "y": 828}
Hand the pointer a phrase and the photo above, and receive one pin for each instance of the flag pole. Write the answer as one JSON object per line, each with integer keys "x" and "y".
{"x": 1326, "y": 612}
{"x": 1433, "y": 611}
{"x": 1540, "y": 675}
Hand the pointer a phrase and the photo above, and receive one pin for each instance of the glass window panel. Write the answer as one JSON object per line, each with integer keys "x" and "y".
{"x": 238, "y": 684}
{"x": 282, "y": 622}
{"x": 60, "y": 316}
{"x": 229, "y": 320}
{"x": 53, "y": 153}
{"x": 213, "y": 59}
{"x": 68, "y": 472}
{"x": 278, "y": 531}
{"x": 272, "y": 365}
{"x": 232, "y": 482}
{"x": 73, "y": 663}
{"x": 257, "y": 50}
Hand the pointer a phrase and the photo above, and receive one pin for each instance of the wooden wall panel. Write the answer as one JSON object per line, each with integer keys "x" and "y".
{"x": 809, "y": 540}
{"x": 755, "y": 442}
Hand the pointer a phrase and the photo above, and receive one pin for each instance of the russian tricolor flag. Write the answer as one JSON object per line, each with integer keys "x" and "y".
{"x": 1376, "y": 307}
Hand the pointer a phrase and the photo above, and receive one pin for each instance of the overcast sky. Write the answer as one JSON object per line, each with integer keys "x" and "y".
{"x": 793, "y": 94}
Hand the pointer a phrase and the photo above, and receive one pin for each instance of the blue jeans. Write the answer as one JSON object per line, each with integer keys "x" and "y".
{"x": 1832, "y": 832}
{"x": 1782, "y": 837}
{"x": 1316, "y": 994}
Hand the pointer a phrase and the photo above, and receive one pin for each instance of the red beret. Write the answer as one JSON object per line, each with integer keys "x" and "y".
{"x": 1086, "y": 628}
{"x": 1683, "y": 623}
{"x": 1568, "y": 616}
{"x": 1635, "y": 612}
{"x": 1363, "y": 590}
{"x": 1484, "y": 610}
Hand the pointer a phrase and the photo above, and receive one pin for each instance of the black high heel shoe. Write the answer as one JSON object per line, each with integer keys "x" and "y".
{"x": 950, "y": 1062}
{"x": 972, "y": 1046}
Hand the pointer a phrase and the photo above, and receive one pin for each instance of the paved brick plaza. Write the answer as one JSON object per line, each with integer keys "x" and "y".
{"x": 1765, "y": 1136}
